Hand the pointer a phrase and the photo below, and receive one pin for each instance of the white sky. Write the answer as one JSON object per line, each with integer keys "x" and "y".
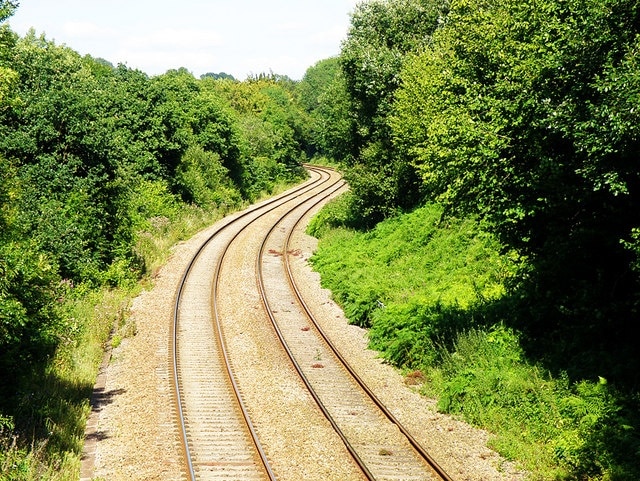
{"x": 239, "y": 37}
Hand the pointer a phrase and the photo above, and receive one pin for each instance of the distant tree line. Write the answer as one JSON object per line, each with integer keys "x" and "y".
{"x": 218, "y": 76}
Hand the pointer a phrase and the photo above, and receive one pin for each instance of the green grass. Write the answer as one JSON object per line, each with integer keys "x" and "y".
{"x": 54, "y": 404}
{"x": 432, "y": 292}
{"x": 54, "y": 399}
{"x": 44, "y": 440}
{"x": 410, "y": 278}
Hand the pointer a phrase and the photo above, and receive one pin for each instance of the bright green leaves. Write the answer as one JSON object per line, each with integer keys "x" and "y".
{"x": 83, "y": 132}
{"x": 94, "y": 156}
{"x": 28, "y": 285}
{"x": 382, "y": 33}
{"x": 323, "y": 95}
{"x": 413, "y": 279}
{"x": 204, "y": 180}
{"x": 8, "y": 81}
{"x": 271, "y": 133}
{"x": 9, "y": 191}
{"x": 511, "y": 105}
{"x": 526, "y": 113}
{"x": 7, "y": 8}
{"x": 611, "y": 134}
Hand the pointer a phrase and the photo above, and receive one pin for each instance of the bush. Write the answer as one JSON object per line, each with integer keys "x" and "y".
{"x": 29, "y": 290}
{"x": 579, "y": 431}
{"x": 415, "y": 262}
{"x": 203, "y": 180}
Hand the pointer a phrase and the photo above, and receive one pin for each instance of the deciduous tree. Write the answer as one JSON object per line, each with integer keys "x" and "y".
{"x": 527, "y": 114}
{"x": 382, "y": 33}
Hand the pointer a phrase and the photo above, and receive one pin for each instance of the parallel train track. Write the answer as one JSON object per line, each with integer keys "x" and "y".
{"x": 218, "y": 436}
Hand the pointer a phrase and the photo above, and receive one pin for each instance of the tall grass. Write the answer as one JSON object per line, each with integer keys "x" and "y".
{"x": 412, "y": 278}
{"x": 55, "y": 396}
{"x": 432, "y": 291}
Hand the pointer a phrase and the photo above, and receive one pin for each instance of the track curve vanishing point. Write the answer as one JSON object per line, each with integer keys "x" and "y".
{"x": 220, "y": 438}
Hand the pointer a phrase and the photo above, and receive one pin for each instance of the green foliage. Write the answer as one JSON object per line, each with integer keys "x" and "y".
{"x": 8, "y": 80}
{"x": 45, "y": 436}
{"x": 102, "y": 169}
{"x": 7, "y": 8}
{"x": 433, "y": 292}
{"x": 503, "y": 110}
{"x": 281, "y": 113}
{"x": 511, "y": 90}
{"x": 633, "y": 245}
{"x": 563, "y": 431}
{"x": 510, "y": 114}
{"x": 496, "y": 93}
{"x": 204, "y": 180}
{"x": 334, "y": 215}
{"x": 382, "y": 33}
{"x": 218, "y": 76}
{"x": 412, "y": 334}
{"x": 8, "y": 192}
{"x": 315, "y": 81}
{"x": 149, "y": 200}
{"x": 29, "y": 321}
{"x": 332, "y": 125}
{"x": 375, "y": 187}
{"x": 323, "y": 95}
{"x": 82, "y": 132}
{"x": 272, "y": 137}
{"x": 408, "y": 269}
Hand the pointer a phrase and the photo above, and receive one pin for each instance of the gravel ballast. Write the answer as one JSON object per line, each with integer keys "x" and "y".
{"x": 133, "y": 432}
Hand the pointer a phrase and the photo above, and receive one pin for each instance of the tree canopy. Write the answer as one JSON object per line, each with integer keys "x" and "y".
{"x": 526, "y": 114}
{"x": 522, "y": 115}
{"x": 382, "y": 33}
{"x": 90, "y": 152}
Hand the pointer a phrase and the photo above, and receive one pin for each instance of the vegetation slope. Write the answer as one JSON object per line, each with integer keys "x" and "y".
{"x": 489, "y": 241}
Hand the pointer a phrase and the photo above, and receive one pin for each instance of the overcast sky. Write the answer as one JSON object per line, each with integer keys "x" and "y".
{"x": 239, "y": 37}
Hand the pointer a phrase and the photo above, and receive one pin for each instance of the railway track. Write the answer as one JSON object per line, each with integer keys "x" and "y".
{"x": 225, "y": 433}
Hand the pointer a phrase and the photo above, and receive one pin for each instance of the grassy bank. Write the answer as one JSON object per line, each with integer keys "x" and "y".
{"x": 434, "y": 293}
{"x": 44, "y": 438}
{"x": 53, "y": 398}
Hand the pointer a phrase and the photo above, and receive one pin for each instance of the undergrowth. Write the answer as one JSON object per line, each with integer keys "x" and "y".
{"x": 53, "y": 399}
{"x": 44, "y": 439}
{"x": 45, "y": 436}
{"x": 433, "y": 293}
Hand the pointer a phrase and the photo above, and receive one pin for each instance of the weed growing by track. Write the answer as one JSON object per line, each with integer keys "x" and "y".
{"x": 434, "y": 293}
{"x": 54, "y": 398}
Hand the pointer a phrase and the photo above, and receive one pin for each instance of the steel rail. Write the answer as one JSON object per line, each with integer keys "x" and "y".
{"x": 412, "y": 441}
{"x": 223, "y": 344}
{"x": 361, "y": 465}
{"x": 173, "y": 345}
{"x": 416, "y": 445}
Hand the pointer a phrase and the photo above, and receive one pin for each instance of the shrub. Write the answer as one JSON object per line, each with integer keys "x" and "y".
{"x": 203, "y": 180}
{"x": 579, "y": 431}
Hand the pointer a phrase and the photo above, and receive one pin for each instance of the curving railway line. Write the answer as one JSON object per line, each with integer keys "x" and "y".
{"x": 240, "y": 329}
